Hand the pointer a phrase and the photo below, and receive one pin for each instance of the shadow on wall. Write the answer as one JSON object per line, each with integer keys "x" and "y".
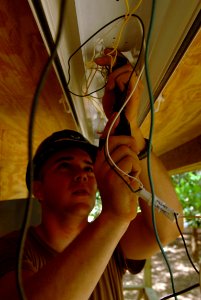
{"x": 12, "y": 214}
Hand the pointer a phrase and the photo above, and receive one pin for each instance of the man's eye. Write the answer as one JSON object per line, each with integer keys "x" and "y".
{"x": 64, "y": 165}
{"x": 89, "y": 169}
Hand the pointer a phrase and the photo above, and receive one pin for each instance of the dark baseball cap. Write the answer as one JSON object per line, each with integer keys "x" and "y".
{"x": 56, "y": 142}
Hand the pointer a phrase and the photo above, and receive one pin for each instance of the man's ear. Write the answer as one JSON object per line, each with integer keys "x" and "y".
{"x": 37, "y": 189}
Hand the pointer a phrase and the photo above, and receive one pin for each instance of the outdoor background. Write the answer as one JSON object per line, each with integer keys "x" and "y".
{"x": 183, "y": 273}
{"x": 188, "y": 188}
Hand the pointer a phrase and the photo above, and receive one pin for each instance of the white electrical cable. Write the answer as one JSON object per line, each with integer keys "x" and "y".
{"x": 111, "y": 126}
{"x": 158, "y": 204}
{"x": 143, "y": 193}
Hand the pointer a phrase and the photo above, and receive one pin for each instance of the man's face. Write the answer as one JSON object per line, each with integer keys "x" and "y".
{"x": 68, "y": 184}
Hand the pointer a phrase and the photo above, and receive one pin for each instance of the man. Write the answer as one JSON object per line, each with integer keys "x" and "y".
{"x": 66, "y": 257}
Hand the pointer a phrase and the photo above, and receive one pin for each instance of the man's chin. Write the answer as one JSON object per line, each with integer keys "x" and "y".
{"x": 80, "y": 208}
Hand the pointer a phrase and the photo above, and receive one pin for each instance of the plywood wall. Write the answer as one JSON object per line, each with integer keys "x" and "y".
{"x": 22, "y": 58}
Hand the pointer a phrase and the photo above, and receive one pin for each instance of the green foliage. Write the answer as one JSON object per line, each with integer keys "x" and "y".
{"x": 97, "y": 208}
{"x": 188, "y": 189}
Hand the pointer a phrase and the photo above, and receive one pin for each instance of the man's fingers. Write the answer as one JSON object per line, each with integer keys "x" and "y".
{"x": 109, "y": 123}
{"x": 119, "y": 74}
{"x": 110, "y": 58}
{"x": 115, "y": 142}
{"x": 103, "y": 61}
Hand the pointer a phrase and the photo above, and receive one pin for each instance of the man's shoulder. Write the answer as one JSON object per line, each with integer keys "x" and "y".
{"x": 9, "y": 240}
{"x": 9, "y": 252}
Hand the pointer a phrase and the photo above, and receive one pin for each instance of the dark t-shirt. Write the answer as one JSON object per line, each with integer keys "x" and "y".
{"x": 37, "y": 254}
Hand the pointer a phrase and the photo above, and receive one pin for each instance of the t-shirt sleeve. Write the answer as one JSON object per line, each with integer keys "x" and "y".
{"x": 9, "y": 245}
{"x": 133, "y": 266}
{"x": 8, "y": 253}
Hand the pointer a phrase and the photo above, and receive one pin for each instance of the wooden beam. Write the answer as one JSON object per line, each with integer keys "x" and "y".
{"x": 184, "y": 158}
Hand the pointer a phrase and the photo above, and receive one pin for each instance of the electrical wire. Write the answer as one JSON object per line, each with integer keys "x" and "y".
{"x": 100, "y": 44}
{"x": 150, "y": 139}
{"x": 131, "y": 14}
{"x": 127, "y": 6}
{"x": 181, "y": 292}
{"x": 140, "y": 22}
{"x": 142, "y": 46}
{"x": 120, "y": 175}
{"x": 185, "y": 246}
{"x": 186, "y": 249}
{"x": 149, "y": 150}
{"x": 127, "y": 17}
{"x": 28, "y": 209}
{"x": 31, "y": 129}
{"x": 107, "y": 155}
{"x": 150, "y": 136}
{"x": 111, "y": 126}
{"x": 190, "y": 217}
{"x": 119, "y": 171}
{"x": 114, "y": 49}
{"x": 82, "y": 45}
{"x": 110, "y": 161}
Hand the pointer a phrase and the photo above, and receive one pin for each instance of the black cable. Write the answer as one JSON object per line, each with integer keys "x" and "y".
{"x": 28, "y": 208}
{"x": 150, "y": 139}
{"x": 181, "y": 292}
{"x": 191, "y": 287}
{"x": 139, "y": 56}
{"x": 99, "y": 30}
{"x": 113, "y": 167}
{"x": 185, "y": 246}
{"x": 42, "y": 79}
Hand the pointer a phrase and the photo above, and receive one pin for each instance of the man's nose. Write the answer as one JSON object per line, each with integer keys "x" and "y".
{"x": 81, "y": 176}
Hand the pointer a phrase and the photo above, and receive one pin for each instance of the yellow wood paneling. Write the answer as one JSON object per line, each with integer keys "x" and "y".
{"x": 22, "y": 57}
{"x": 179, "y": 117}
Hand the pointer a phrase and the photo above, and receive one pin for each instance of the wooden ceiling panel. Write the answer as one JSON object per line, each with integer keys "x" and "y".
{"x": 22, "y": 58}
{"x": 177, "y": 118}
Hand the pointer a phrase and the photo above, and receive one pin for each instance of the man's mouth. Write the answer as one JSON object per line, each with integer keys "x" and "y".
{"x": 81, "y": 192}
